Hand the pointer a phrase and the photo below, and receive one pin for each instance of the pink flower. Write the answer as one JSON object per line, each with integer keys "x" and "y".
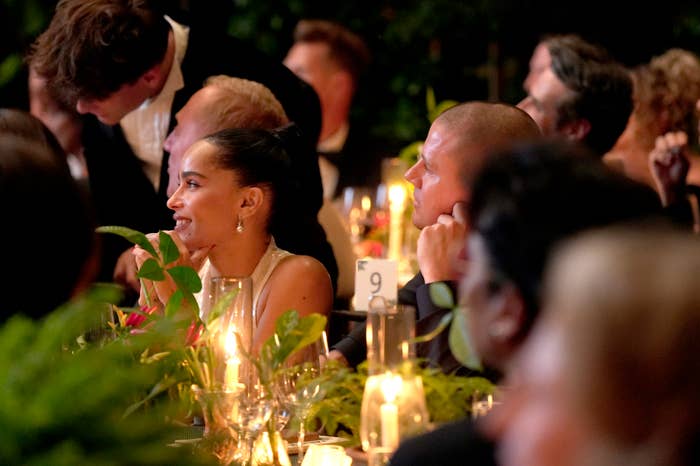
{"x": 194, "y": 331}
{"x": 135, "y": 319}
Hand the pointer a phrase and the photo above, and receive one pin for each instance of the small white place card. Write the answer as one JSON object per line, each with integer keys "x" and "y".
{"x": 375, "y": 277}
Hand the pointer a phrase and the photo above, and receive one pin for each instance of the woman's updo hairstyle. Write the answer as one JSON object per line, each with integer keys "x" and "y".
{"x": 260, "y": 158}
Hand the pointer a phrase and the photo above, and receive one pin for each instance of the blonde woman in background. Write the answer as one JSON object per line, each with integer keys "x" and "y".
{"x": 666, "y": 91}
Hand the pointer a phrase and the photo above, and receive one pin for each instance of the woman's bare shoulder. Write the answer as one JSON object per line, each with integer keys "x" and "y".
{"x": 300, "y": 267}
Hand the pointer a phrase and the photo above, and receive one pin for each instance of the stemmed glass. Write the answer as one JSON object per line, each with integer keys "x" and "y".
{"x": 356, "y": 206}
{"x": 299, "y": 387}
{"x": 250, "y": 416}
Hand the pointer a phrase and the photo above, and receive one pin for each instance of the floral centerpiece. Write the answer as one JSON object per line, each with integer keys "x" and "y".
{"x": 132, "y": 412}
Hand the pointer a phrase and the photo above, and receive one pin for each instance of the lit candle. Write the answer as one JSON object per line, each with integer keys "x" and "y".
{"x": 390, "y": 425}
{"x": 232, "y": 366}
{"x": 366, "y": 205}
{"x": 324, "y": 337}
{"x": 389, "y": 411}
{"x": 233, "y": 363}
{"x": 397, "y": 199}
{"x": 323, "y": 455}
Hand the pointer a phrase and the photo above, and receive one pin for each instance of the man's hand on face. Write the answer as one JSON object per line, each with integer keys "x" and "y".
{"x": 440, "y": 244}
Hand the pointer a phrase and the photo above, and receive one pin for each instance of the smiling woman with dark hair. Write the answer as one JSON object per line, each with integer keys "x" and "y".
{"x": 234, "y": 188}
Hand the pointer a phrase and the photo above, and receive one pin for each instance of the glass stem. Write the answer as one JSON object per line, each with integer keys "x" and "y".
{"x": 300, "y": 441}
{"x": 249, "y": 445}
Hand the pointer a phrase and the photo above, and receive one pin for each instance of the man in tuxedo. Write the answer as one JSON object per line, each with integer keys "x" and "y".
{"x": 133, "y": 68}
{"x": 332, "y": 59}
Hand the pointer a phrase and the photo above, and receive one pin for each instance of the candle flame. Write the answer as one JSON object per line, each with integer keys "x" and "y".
{"x": 391, "y": 386}
{"x": 366, "y": 203}
{"x": 397, "y": 197}
{"x": 230, "y": 345}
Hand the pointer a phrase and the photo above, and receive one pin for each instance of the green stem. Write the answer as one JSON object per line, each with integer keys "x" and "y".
{"x": 146, "y": 294}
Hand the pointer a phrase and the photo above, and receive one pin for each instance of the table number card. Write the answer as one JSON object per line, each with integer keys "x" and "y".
{"x": 375, "y": 277}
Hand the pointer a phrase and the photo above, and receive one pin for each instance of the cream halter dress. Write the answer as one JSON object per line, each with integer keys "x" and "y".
{"x": 272, "y": 257}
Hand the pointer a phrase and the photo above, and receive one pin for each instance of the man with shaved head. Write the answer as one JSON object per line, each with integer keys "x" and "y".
{"x": 454, "y": 150}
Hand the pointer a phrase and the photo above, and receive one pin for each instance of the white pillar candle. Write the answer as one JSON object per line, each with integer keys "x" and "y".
{"x": 232, "y": 367}
{"x": 389, "y": 415}
{"x": 397, "y": 199}
{"x": 366, "y": 204}
{"x": 233, "y": 363}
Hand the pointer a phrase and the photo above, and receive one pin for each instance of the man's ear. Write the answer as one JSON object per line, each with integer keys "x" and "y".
{"x": 152, "y": 77}
{"x": 251, "y": 200}
{"x": 508, "y": 316}
{"x": 577, "y": 130}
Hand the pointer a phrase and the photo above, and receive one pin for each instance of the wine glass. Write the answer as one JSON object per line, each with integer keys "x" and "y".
{"x": 300, "y": 386}
{"x": 250, "y": 416}
{"x": 356, "y": 207}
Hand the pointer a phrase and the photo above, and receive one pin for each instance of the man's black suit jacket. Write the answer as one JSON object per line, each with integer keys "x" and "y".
{"x": 428, "y": 315}
{"x": 122, "y": 194}
{"x": 457, "y": 443}
{"x": 359, "y": 162}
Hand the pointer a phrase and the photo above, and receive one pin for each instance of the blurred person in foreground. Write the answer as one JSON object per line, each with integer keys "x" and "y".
{"x": 611, "y": 375}
{"x": 48, "y": 230}
{"x": 524, "y": 202}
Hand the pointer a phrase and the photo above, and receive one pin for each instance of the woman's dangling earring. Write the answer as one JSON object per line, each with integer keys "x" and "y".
{"x": 239, "y": 225}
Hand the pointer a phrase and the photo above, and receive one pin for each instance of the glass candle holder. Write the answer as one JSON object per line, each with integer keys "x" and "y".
{"x": 393, "y": 408}
{"x": 390, "y": 329}
{"x": 231, "y": 299}
{"x": 217, "y": 407}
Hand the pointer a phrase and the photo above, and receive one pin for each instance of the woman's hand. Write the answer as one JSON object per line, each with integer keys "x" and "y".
{"x": 669, "y": 166}
{"x": 165, "y": 288}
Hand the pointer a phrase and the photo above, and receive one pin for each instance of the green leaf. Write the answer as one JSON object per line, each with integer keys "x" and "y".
{"x": 151, "y": 270}
{"x": 133, "y": 236}
{"x": 441, "y": 107}
{"x": 167, "y": 247}
{"x": 9, "y": 68}
{"x": 460, "y": 340}
{"x": 221, "y": 305}
{"x": 444, "y": 322}
{"x": 292, "y": 333}
{"x": 295, "y": 333}
{"x": 157, "y": 389}
{"x": 430, "y": 99}
{"x": 441, "y": 295}
{"x": 186, "y": 278}
{"x": 410, "y": 153}
{"x": 174, "y": 303}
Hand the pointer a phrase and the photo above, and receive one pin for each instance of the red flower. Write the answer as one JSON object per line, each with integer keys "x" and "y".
{"x": 194, "y": 331}
{"x": 135, "y": 319}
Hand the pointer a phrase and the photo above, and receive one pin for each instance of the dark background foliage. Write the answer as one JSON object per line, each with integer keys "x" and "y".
{"x": 465, "y": 50}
